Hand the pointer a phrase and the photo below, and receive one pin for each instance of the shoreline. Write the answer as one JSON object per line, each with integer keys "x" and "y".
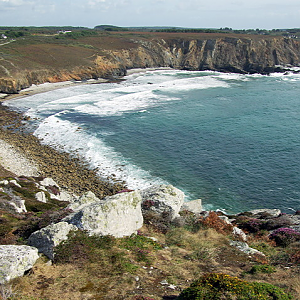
{"x": 23, "y": 151}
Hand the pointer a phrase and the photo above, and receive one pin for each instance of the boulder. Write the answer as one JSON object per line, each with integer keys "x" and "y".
{"x": 86, "y": 199}
{"x": 194, "y": 206}
{"x": 48, "y": 182}
{"x": 47, "y": 238}
{"x": 119, "y": 215}
{"x": 272, "y": 213}
{"x": 244, "y": 247}
{"x": 162, "y": 199}
{"x": 15, "y": 261}
{"x": 18, "y": 205}
{"x": 41, "y": 197}
{"x": 239, "y": 233}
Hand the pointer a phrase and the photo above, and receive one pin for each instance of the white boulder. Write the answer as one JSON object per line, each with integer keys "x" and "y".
{"x": 48, "y": 182}
{"x": 41, "y": 197}
{"x": 86, "y": 199}
{"x": 47, "y": 238}
{"x": 15, "y": 261}
{"x": 119, "y": 215}
{"x": 163, "y": 199}
{"x": 194, "y": 206}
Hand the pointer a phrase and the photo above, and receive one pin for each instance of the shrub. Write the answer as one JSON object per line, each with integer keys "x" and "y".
{"x": 285, "y": 236}
{"x": 97, "y": 254}
{"x": 221, "y": 286}
{"x": 267, "y": 269}
{"x": 252, "y": 225}
{"x": 213, "y": 221}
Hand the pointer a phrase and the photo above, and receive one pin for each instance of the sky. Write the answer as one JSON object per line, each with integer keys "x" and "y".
{"x": 236, "y": 14}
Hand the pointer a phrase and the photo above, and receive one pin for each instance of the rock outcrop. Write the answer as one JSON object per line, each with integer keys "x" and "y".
{"x": 162, "y": 199}
{"x": 15, "y": 261}
{"x": 49, "y": 237}
{"x": 194, "y": 206}
{"x": 119, "y": 215}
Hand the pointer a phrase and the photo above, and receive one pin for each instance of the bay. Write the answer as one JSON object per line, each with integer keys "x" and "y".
{"x": 230, "y": 139}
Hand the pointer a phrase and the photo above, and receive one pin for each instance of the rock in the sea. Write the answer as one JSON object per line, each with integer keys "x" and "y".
{"x": 15, "y": 260}
{"x": 119, "y": 215}
{"x": 163, "y": 199}
{"x": 47, "y": 238}
{"x": 194, "y": 206}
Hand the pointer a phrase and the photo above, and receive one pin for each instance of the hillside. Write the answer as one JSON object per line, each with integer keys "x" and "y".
{"x": 34, "y": 59}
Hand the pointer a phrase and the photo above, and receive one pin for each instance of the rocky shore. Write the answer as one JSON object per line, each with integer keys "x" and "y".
{"x": 69, "y": 171}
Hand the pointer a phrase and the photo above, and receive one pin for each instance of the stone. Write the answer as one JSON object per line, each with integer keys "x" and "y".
{"x": 48, "y": 182}
{"x": 15, "y": 183}
{"x": 4, "y": 182}
{"x": 163, "y": 199}
{"x": 15, "y": 261}
{"x": 262, "y": 212}
{"x": 244, "y": 247}
{"x": 194, "y": 206}
{"x": 40, "y": 196}
{"x": 119, "y": 215}
{"x": 63, "y": 196}
{"x": 18, "y": 205}
{"x": 225, "y": 219}
{"x": 49, "y": 237}
{"x": 86, "y": 199}
{"x": 239, "y": 233}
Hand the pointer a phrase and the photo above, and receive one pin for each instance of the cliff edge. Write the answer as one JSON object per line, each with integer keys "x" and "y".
{"x": 39, "y": 60}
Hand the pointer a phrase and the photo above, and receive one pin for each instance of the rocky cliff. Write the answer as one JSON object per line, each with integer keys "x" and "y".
{"x": 241, "y": 54}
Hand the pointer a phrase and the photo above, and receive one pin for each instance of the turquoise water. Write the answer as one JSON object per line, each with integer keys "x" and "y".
{"x": 231, "y": 140}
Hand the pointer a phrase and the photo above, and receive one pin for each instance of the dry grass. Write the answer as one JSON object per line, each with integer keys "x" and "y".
{"x": 184, "y": 257}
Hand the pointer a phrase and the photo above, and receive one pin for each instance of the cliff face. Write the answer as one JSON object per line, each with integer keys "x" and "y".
{"x": 228, "y": 54}
{"x": 222, "y": 54}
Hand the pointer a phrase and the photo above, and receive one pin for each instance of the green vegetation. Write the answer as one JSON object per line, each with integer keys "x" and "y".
{"x": 110, "y": 28}
{"x": 221, "y": 286}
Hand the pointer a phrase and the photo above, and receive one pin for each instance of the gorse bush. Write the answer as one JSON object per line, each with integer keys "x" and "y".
{"x": 216, "y": 286}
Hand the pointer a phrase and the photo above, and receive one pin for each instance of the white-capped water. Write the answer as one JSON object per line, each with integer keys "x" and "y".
{"x": 229, "y": 139}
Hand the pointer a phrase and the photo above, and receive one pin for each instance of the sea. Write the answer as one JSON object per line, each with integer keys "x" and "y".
{"x": 232, "y": 140}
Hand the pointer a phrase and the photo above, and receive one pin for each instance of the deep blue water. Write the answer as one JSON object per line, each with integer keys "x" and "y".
{"x": 231, "y": 140}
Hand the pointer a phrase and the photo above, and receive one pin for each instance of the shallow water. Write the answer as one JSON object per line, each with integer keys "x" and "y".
{"x": 230, "y": 139}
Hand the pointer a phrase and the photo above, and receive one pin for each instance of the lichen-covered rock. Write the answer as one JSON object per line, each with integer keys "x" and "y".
{"x": 194, "y": 206}
{"x": 163, "y": 199}
{"x": 119, "y": 215}
{"x": 244, "y": 247}
{"x": 47, "y": 238}
{"x": 273, "y": 213}
{"x": 15, "y": 260}
{"x": 239, "y": 233}
{"x": 86, "y": 199}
